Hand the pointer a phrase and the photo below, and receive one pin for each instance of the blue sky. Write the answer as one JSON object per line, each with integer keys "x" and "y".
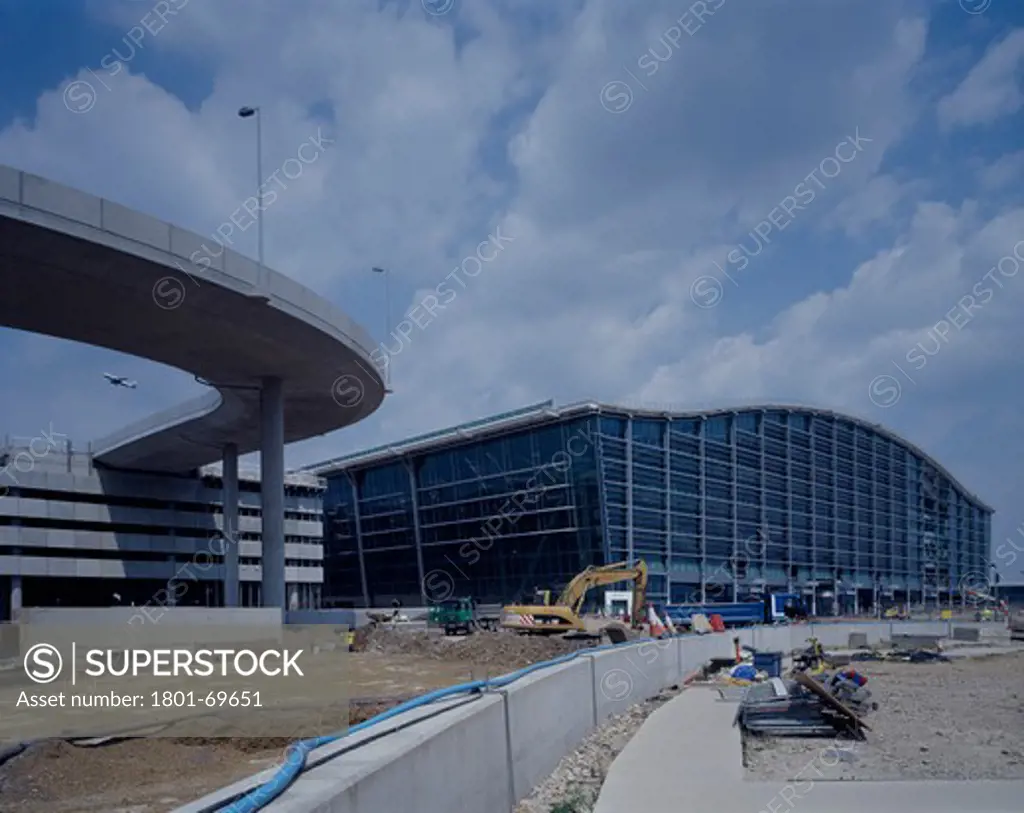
{"x": 622, "y": 183}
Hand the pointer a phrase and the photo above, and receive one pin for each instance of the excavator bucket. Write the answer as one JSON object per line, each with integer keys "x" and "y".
{"x": 616, "y": 633}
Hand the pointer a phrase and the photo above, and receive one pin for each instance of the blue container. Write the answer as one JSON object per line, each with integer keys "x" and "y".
{"x": 770, "y": 662}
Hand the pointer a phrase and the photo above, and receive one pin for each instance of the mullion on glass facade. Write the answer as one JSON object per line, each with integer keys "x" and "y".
{"x": 720, "y": 505}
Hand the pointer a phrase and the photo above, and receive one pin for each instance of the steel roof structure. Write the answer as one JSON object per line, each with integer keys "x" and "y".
{"x": 547, "y": 411}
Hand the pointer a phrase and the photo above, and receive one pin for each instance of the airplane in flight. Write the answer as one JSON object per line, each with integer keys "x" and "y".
{"x": 120, "y": 381}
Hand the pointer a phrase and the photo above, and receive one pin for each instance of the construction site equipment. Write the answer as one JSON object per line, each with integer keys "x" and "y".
{"x": 849, "y": 687}
{"x": 395, "y": 616}
{"x": 563, "y": 615}
{"x": 800, "y": 707}
{"x": 455, "y": 615}
{"x": 842, "y": 717}
{"x": 812, "y": 659}
{"x": 785, "y": 607}
{"x": 769, "y": 662}
{"x": 734, "y": 614}
{"x": 773, "y": 609}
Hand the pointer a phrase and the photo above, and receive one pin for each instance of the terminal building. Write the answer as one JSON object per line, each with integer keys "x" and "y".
{"x": 76, "y": 534}
{"x": 722, "y": 505}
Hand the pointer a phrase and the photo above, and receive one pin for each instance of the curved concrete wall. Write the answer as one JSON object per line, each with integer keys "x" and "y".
{"x": 486, "y": 754}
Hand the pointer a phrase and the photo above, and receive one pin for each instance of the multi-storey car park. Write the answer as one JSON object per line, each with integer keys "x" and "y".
{"x": 85, "y": 536}
{"x": 141, "y": 507}
{"x": 720, "y": 504}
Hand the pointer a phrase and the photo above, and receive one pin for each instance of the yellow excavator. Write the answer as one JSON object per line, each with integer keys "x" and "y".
{"x": 547, "y": 618}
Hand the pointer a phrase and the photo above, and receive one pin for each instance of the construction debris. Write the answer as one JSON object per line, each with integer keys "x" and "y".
{"x": 805, "y": 706}
{"x": 912, "y": 655}
{"x": 944, "y": 721}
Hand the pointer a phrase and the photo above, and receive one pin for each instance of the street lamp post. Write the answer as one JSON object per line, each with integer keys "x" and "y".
{"x": 387, "y": 314}
{"x": 247, "y": 112}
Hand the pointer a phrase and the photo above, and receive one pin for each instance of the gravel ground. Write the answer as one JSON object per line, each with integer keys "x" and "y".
{"x": 957, "y": 720}
{"x": 576, "y": 782}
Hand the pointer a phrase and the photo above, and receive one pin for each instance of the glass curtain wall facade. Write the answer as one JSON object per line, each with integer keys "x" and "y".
{"x": 494, "y": 519}
{"x": 721, "y": 506}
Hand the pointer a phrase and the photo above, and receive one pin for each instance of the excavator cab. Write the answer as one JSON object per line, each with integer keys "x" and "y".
{"x": 541, "y": 598}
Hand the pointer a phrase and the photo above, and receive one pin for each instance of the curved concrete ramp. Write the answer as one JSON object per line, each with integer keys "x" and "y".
{"x": 687, "y": 757}
{"x": 81, "y": 268}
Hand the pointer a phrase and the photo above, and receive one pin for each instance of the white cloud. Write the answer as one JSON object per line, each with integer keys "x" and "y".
{"x": 991, "y": 90}
{"x": 1005, "y": 171}
{"x": 876, "y": 203}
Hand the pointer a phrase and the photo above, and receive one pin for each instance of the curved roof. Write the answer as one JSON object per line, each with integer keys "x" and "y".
{"x": 546, "y": 410}
{"x": 82, "y": 268}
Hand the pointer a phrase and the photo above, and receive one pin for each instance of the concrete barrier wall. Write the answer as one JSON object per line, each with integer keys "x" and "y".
{"x": 456, "y": 761}
{"x": 548, "y": 715}
{"x": 169, "y": 616}
{"x": 166, "y": 626}
{"x": 838, "y": 634}
{"x": 489, "y": 753}
{"x": 344, "y": 618}
{"x": 922, "y": 628}
{"x": 618, "y": 681}
{"x": 776, "y": 639}
{"x": 747, "y": 636}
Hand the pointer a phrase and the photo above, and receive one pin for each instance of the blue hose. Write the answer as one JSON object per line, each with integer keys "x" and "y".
{"x": 295, "y": 762}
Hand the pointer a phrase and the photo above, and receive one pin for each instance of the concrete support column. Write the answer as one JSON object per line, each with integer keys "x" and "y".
{"x": 172, "y": 566}
{"x": 229, "y": 500}
{"x": 15, "y": 607}
{"x": 272, "y": 491}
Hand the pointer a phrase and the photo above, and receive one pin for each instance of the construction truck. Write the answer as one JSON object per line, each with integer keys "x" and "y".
{"x": 455, "y": 615}
{"x": 547, "y": 617}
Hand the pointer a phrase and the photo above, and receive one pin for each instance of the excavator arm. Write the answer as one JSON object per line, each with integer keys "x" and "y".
{"x": 600, "y": 575}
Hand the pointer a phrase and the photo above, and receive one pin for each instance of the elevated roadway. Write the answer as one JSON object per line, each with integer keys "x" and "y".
{"x": 284, "y": 365}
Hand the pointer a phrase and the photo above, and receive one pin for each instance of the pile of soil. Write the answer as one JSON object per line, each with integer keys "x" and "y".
{"x": 497, "y": 651}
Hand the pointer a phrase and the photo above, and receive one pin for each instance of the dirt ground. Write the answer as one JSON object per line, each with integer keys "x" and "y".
{"x": 958, "y": 720}
{"x": 158, "y": 774}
